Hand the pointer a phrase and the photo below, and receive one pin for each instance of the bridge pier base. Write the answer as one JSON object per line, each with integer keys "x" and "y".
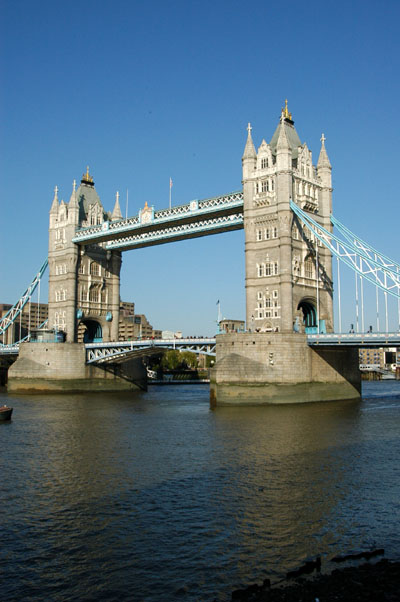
{"x": 61, "y": 367}
{"x": 277, "y": 368}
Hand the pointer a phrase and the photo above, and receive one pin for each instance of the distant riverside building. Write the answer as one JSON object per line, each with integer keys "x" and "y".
{"x": 169, "y": 334}
{"x": 131, "y": 326}
{"x": 226, "y": 325}
{"x": 32, "y": 316}
{"x": 382, "y": 357}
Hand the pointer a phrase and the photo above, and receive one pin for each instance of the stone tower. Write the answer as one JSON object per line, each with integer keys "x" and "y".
{"x": 288, "y": 273}
{"x": 84, "y": 281}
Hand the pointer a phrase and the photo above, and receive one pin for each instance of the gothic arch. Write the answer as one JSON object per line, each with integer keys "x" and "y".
{"x": 93, "y": 332}
{"x": 307, "y": 306}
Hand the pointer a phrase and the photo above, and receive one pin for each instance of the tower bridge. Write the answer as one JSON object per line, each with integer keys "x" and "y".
{"x": 285, "y": 209}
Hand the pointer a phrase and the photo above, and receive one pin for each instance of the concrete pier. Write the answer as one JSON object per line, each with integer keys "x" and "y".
{"x": 61, "y": 367}
{"x": 265, "y": 368}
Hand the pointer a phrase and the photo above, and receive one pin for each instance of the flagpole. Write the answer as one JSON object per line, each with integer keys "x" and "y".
{"x": 170, "y": 189}
{"x": 126, "y": 216}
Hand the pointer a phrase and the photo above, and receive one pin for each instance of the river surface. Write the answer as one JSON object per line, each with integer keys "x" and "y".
{"x": 154, "y": 497}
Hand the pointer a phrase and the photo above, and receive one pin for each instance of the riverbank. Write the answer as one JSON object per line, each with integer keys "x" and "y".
{"x": 378, "y": 582}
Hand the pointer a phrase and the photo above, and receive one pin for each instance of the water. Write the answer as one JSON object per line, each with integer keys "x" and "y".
{"x": 153, "y": 497}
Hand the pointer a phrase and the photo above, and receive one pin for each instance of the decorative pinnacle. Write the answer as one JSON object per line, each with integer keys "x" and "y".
{"x": 323, "y": 139}
{"x": 87, "y": 178}
{"x": 117, "y": 197}
{"x": 249, "y": 128}
{"x": 56, "y": 192}
{"x": 74, "y": 186}
{"x": 285, "y": 112}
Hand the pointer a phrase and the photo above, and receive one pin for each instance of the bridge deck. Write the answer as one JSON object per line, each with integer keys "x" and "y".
{"x": 120, "y": 350}
{"x": 197, "y": 218}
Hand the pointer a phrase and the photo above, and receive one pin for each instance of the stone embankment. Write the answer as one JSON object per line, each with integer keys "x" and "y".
{"x": 370, "y": 582}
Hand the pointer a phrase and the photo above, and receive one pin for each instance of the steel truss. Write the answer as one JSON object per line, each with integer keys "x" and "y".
{"x": 355, "y": 253}
{"x": 100, "y": 353}
{"x": 17, "y": 308}
{"x": 173, "y": 233}
{"x": 190, "y": 212}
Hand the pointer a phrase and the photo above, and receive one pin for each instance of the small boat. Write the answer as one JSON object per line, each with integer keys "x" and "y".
{"x": 5, "y": 413}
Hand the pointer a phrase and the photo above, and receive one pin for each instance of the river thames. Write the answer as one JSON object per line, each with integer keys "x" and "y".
{"x": 155, "y": 497}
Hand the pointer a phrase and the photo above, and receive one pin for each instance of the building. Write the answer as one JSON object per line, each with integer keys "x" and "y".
{"x": 288, "y": 272}
{"x": 33, "y": 315}
{"x": 131, "y": 326}
{"x": 382, "y": 357}
{"x": 84, "y": 281}
{"x": 226, "y": 325}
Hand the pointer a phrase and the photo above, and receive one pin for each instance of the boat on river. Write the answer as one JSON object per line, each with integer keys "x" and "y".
{"x": 5, "y": 413}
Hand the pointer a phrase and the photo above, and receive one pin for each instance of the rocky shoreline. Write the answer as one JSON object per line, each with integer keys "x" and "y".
{"x": 370, "y": 582}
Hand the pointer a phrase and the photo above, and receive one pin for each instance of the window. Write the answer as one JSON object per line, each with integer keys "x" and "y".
{"x": 260, "y": 270}
{"x": 82, "y": 268}
{"x": 274, "y": 232}
{"x": 267, "y": 233}
{"x": 264, "y": 186}
{"x": 309, "y": 268}
{"x": 275, "y": 267}
{"x": 259, "y": 234}
{"x": 95, "y": 269}
{"x": 275, "y": 294}
{"x": 259, "y": 295}
{"x": 268, "y": 268}
{"x": 264, "y": 162}
{"x": 61, "y": 268}
{"x": 94, "y": 294}
{"x": 268, "y": 302}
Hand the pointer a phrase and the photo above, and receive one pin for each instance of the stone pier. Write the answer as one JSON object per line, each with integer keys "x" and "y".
{"x": 266, "y": 368}
{"x": 61, "y": 367}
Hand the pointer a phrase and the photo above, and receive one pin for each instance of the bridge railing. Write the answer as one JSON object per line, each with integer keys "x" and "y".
{"x": 368, "y": 339}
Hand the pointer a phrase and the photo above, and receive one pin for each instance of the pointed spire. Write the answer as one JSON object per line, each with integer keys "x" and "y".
{"x": 323, "y": 159}
{"x": 116, "y": 214}
{"x": 249, "y": 150}
{"x": 54, "y": 205}
{"x": 73, "y": 201}
{"x": 282, "y": 142}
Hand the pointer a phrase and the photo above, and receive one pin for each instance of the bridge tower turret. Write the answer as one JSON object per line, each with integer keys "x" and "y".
{"x": 84, "y": 281}
{"x": 288, "y": 274}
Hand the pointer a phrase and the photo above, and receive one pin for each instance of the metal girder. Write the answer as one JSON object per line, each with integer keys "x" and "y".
{"x": 360, "y": 257}
{"x": 9, "y": 349}
{"x": 121, "y": 351}
{"x": 365, "y": 249}
{"x": 204, "y": 227}
{"x": 368, "y": 339}
{"x": 16, "y": 309}
{"x": 166, "y": 225}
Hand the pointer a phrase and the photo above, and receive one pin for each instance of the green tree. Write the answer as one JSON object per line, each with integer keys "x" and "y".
{"x": 189, "y": 359}
{"x": 171, "y": 360}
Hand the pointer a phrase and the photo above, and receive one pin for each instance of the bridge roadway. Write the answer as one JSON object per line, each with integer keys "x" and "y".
{"x": 149, "y": 227}
{"x": 98, "y": 353}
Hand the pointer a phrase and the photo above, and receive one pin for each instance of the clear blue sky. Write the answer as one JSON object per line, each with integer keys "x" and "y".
{"x": 142, "y": 92}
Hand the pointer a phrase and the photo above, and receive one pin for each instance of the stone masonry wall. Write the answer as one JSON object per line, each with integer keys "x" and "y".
{"x": 62, "y": 367}
{"x": 256, "y": 368}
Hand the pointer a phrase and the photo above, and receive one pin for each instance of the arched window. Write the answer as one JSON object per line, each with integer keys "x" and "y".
{"x": 95, "y": 269}
{"x": 309, "y": 268}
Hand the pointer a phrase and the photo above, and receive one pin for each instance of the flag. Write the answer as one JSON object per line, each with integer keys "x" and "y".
{"x": 170, "y": 182}
{"x": 217, "y": 301}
